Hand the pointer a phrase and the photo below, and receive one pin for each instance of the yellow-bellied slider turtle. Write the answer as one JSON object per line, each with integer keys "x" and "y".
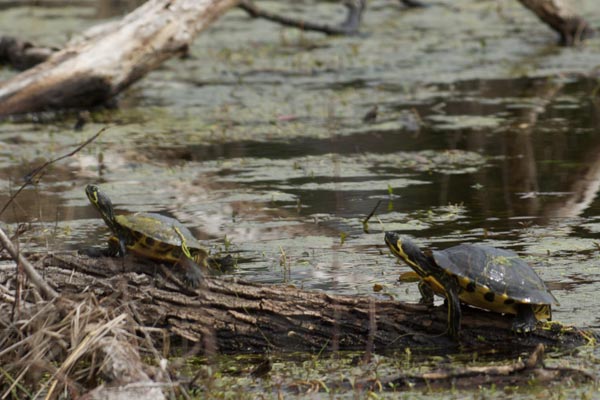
{"x": 152, "y": 236}
{"x": 482, "y": 276}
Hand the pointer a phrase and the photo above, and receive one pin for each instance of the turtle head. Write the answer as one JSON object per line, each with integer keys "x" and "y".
{"x": 103, "y": 204}
{"x": 406, "y": 250}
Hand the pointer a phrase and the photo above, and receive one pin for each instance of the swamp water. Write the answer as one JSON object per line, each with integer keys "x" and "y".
{"x": 486, "y": 132}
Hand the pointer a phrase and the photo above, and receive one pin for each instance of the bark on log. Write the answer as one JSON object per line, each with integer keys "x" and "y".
{"x": 571, "y": 27}
{"x": 229, "y": 315}
{"x": 111, "y": 57}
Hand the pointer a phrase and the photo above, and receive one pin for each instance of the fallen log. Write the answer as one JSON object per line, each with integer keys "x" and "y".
{"x": 110, "y": 57}
{"x": 230, "y": 315}
{"x": 89, "y": 341}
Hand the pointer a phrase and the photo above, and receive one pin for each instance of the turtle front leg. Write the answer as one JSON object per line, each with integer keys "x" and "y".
{"x": 116, "y": 247}
{"x": 122, "y": 247}
{"x": 426, "y": 294}
{"x": 525, "y": 320}
{"x": 454, "y": 313}
{"x": 452, "y": 302}
{"x": 192, "y": 273}
{"x": 452, "y": 288}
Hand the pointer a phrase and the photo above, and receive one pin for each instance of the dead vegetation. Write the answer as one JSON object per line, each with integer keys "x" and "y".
{"x": 61, "y": 349}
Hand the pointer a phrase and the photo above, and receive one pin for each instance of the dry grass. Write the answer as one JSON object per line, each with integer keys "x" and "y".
{"x": 62, "y": 349}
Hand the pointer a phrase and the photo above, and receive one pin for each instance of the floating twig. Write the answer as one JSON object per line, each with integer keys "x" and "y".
{"x": 365, "y": 222}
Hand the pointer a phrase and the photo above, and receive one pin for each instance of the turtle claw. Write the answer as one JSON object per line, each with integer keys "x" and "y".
{"x": 520, "y": 326}
{"x": 193, "y": 279}
{"x": 525, "y": 320}
{"x": 526, "y": 328}
{"x": 95, "y": 252}
{"x": 221, "y": 263}
{"x": 192, "y": 273}
{"x": 92, "y": 252}
{"x": 426, "y": 294}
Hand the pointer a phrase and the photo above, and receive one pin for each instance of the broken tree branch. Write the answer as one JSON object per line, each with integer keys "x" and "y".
{"x": 20, "y": 54}
{"x": 348, "y": 27}
{"x": 413, "y": 3}
{"x": 112, "y": 57}
{"x": 571, "y": 27}
{"x": 34, "y": 276}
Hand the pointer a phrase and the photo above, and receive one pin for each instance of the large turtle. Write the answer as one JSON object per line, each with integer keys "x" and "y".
{"x": 482, "y": 276}
{"x": 152, "y": 236}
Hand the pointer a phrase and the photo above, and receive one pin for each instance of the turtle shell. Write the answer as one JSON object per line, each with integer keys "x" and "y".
{"x": 158, "y": 227}
{"x": 493, "y": 278}
{"x": 157, "y": 236}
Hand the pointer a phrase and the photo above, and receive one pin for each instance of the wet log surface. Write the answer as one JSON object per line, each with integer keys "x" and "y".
{"x": 230, "y": 315}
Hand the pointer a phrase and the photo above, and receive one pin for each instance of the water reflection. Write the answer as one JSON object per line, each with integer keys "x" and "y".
{"x": 540, "y": 163}
{"x": 542, "y": 160}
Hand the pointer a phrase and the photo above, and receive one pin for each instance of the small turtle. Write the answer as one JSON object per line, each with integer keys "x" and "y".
{"x": 482, "y": 276}
{"x": 151, "y": 236}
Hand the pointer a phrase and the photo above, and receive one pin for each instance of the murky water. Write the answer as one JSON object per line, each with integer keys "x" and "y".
{"x": 257, "y": 141}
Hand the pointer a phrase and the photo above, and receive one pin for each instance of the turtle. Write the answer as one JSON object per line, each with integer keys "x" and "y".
{"x": 151, "y": 236}
{"x": 478, "y": 275}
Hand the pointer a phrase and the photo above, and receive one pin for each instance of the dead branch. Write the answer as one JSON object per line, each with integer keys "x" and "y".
{"x": 114, "y": 309}
{"x": 571, "y": 27}
{"x": 348, "y": 27}
{"x": 35, "y": 277}
{"x": 413, "y": 3}
{"x": 5, "y": 241}
{"x": 35, "y": 175}
{"x": 106, "y": 59}
{"x": 22, "y": 55}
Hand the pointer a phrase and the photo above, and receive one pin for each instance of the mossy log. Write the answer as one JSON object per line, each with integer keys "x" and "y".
{"x": 230, "y": 315}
